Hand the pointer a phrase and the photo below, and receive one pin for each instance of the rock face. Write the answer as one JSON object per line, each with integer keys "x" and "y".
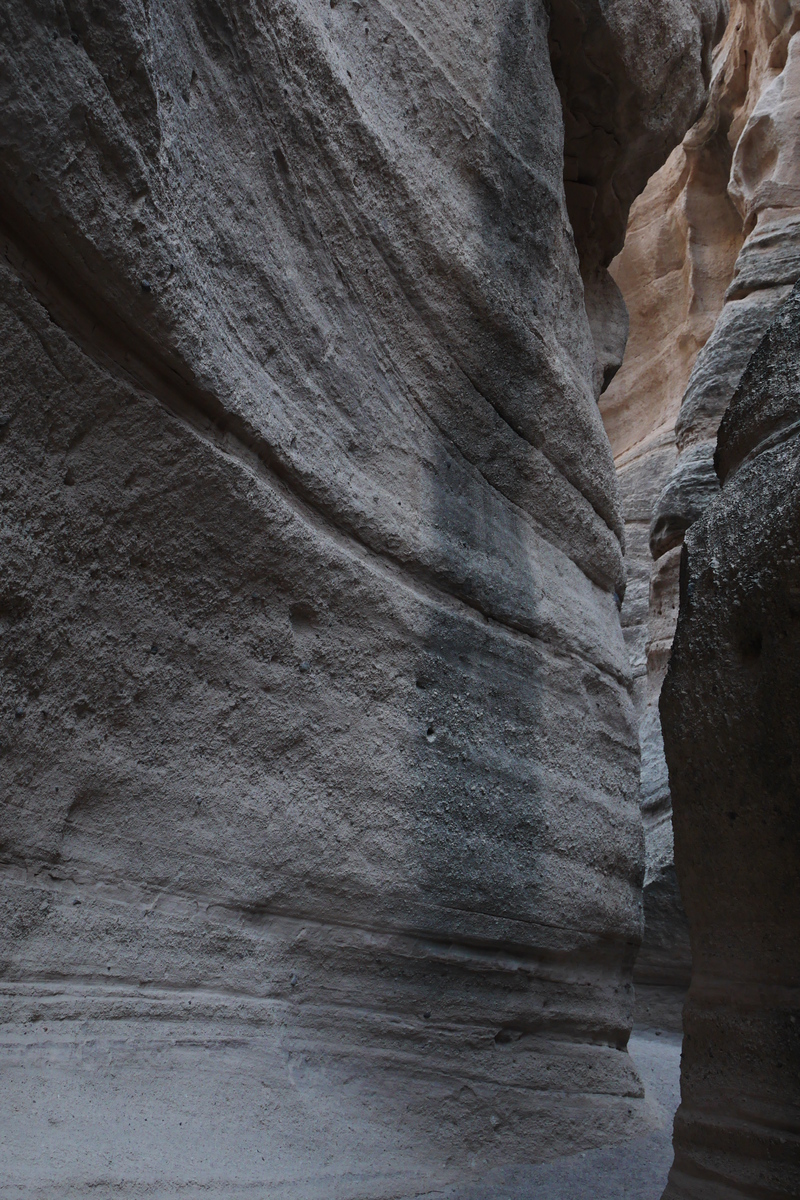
{"x": 627, "y": 74}
{"x": 730, "y": 708}
{"x": 710, "y": 256}
{"x": 321, "y": 842}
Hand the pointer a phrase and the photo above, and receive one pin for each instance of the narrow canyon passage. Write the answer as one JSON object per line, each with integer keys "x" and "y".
{"x": 321, "y": 841}
{"x": 707, "y": 274}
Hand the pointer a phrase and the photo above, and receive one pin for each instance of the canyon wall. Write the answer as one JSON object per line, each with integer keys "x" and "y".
{"x": 731, "y": 713}
{"x": 710, "y": 255}
{"x": 321, "y": 845}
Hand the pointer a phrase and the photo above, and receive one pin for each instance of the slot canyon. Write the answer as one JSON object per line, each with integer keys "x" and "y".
{"x": 400, "y": 599}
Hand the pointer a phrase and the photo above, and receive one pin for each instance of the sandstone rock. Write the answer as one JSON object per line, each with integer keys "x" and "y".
{"x": 730, "y": 709}
{"x": 673, "y": 272}
{"x": 321, "y": 840}
{"x": 710, "y": 257}
{"x": 629, "y": 81}
{"x": 691, "y": 485}
{"x": 766, "y": 149}
{"x": 717, "y": 371}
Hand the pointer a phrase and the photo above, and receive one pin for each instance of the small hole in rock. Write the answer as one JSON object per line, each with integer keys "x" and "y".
{"x": 504, "y": 1036}
{"x": 302, "y": 616}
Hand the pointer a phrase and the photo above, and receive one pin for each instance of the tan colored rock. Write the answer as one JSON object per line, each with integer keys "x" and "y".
{"x": 710, "y": 256}
{"x": 321, "y": 838}
{"x": 758, "y": 105}
{"x": 615, "y": 137}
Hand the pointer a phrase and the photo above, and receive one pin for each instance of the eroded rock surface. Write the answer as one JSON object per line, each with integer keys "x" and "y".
{"x": 731, "y": 714}
{"x": 629, "y": 82}
{"x": 710, "y": 256}
{"x": 321, "y": 840}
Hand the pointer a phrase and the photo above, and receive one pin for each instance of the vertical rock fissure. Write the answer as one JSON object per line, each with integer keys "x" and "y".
{"x": 706, "y": 399}
{"x": 710, "y": 256}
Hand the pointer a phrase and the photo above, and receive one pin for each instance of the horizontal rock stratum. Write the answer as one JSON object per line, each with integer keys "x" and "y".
{"x": 321, "y": 846}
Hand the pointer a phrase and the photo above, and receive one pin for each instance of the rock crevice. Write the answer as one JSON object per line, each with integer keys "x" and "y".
{"x": 710, "y": 258}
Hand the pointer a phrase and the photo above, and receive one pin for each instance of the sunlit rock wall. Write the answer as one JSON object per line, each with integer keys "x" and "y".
{"x": 321, "y": 846}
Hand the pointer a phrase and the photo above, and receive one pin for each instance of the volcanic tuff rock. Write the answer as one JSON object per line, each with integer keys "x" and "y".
{"x": 321, "y": 842}
{"x": 711, "y": 254}
{"x": 731, "y": 715}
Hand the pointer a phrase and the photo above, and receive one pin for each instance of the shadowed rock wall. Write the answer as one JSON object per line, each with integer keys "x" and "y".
{"x": 321, "y": 843}
{"x": 731, "y": 713}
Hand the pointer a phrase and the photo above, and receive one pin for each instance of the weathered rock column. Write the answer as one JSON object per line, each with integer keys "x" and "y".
{"x": 731, "y": 716}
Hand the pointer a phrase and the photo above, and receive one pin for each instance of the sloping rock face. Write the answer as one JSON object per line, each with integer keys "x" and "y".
{"x": 320, "y": 838}
{"x": 710, "y": 256}
{"x": 731, "y": 714}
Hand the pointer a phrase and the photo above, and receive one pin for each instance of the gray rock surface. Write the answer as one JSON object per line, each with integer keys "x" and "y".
{"x": 691, "y": 485}
{"x": 731, "y": 715}
{"x": 185, "y": 1135}
{"x": 319, "y": 761}
{"x": 256, "y": 773}
{"x": 633, "y": 1170}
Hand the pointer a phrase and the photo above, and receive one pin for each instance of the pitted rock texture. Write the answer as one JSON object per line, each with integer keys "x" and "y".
{"x": 730, "y": 709}
{"x": 319, "y": 761}
{"x": 710, "y": 256}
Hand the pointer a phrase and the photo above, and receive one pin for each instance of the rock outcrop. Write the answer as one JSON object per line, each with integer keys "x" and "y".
{"x": 710, "y": 256}
{"x": 321, "y": 841}
{"x": 731, "y": 715}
